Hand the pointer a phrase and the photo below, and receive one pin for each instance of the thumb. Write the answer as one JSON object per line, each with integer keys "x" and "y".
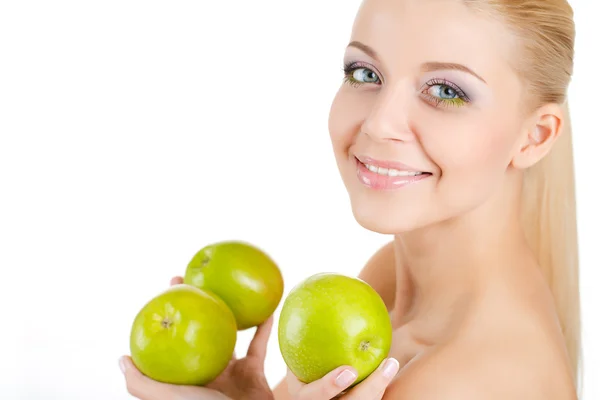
{"x": 139, "y": 385}
{"x": 330, "y": 386}
{"x": 176, "y": 280}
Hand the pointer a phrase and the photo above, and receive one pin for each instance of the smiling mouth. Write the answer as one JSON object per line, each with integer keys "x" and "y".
{"x": 391, "y": 171}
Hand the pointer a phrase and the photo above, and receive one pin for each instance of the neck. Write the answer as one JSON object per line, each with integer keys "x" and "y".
{"x": 450, "y": 264}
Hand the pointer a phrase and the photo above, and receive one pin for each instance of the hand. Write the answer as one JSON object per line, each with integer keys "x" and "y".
{"x": 242, "y": 379}
{"x": 331, "y": 386}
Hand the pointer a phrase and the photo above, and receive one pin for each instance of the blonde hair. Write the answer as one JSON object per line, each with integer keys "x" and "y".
{"x": 546, "y": 30}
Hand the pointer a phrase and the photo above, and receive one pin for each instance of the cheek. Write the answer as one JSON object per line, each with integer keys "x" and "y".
{"x": 472, "y": 156}
{"x": 346, "y": 116}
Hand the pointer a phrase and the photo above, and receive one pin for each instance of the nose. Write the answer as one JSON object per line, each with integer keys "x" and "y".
{"x": 389, "y": 117}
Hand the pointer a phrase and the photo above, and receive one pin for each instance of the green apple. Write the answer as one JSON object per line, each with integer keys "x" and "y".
{"x": 241, "y": 274}
{"x": 330, "y": 320}
{"x": 183, "y": 336}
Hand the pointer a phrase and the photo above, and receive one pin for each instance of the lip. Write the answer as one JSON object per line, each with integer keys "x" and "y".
{"x": 376, "y": 181}
{"x": 387, "y": 164}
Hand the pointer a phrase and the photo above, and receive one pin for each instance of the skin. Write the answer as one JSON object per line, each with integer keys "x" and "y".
{"x": 473, "y": 317}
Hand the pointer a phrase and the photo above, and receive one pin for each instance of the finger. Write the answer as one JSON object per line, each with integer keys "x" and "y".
{"x": 329, "y": 386}
{"x": 293, "y": 384}
{"x": 139, "y": 385}
{"x": 258, "y": 345}
{"x": 375, "y": 385}
{"x": 176, "y": 280}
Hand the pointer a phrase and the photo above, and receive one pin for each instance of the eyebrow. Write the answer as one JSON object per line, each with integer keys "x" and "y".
{"x": 425, "y": 67}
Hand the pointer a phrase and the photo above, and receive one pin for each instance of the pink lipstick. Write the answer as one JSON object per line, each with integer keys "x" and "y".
{"x": 387, "y": 175}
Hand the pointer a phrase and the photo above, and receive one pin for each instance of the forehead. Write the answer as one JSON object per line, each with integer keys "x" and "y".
{"x": 416, "y": 31}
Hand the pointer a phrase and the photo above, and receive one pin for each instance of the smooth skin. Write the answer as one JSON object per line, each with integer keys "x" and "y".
{"x": 473, "y": 317}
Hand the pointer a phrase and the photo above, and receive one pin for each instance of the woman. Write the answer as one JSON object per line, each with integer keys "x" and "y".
{"x": 451, "y": 132}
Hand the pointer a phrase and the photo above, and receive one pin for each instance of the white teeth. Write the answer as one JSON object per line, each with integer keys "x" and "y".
{"x": 390, "y": 171}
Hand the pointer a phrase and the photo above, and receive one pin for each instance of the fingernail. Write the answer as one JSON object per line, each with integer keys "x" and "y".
{"x": 122, "y": 364}
{"x": 390, "y": 368}
{"x": 345, "y": 378}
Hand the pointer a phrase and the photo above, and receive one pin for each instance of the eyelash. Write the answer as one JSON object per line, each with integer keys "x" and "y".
{"x": 462, "y": 98}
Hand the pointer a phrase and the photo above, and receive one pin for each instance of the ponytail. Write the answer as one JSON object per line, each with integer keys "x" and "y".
{"x": 549, "y": 221}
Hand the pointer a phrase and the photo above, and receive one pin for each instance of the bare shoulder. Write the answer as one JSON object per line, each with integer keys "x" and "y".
{"x": 498, "y": 367}
{"x": 379, "y": 272}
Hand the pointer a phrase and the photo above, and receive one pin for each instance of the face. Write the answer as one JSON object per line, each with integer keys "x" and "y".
{"x": 427, "y": 118}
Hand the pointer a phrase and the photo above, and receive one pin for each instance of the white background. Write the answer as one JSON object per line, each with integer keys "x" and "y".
{"x": 133, "y": 133}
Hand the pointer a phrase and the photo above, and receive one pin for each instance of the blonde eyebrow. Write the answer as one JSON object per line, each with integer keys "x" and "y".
{"x": 436, "y": 66}
{"x": 365, "y": 49}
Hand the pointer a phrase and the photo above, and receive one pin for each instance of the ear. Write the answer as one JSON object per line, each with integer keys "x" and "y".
{"x": 541, "y": 132}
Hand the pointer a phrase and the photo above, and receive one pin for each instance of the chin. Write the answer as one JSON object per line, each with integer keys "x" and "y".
{"x": 384, "y": 220}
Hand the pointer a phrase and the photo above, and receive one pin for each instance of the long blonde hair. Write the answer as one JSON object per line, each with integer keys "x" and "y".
{"x": 546, "y": 30}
